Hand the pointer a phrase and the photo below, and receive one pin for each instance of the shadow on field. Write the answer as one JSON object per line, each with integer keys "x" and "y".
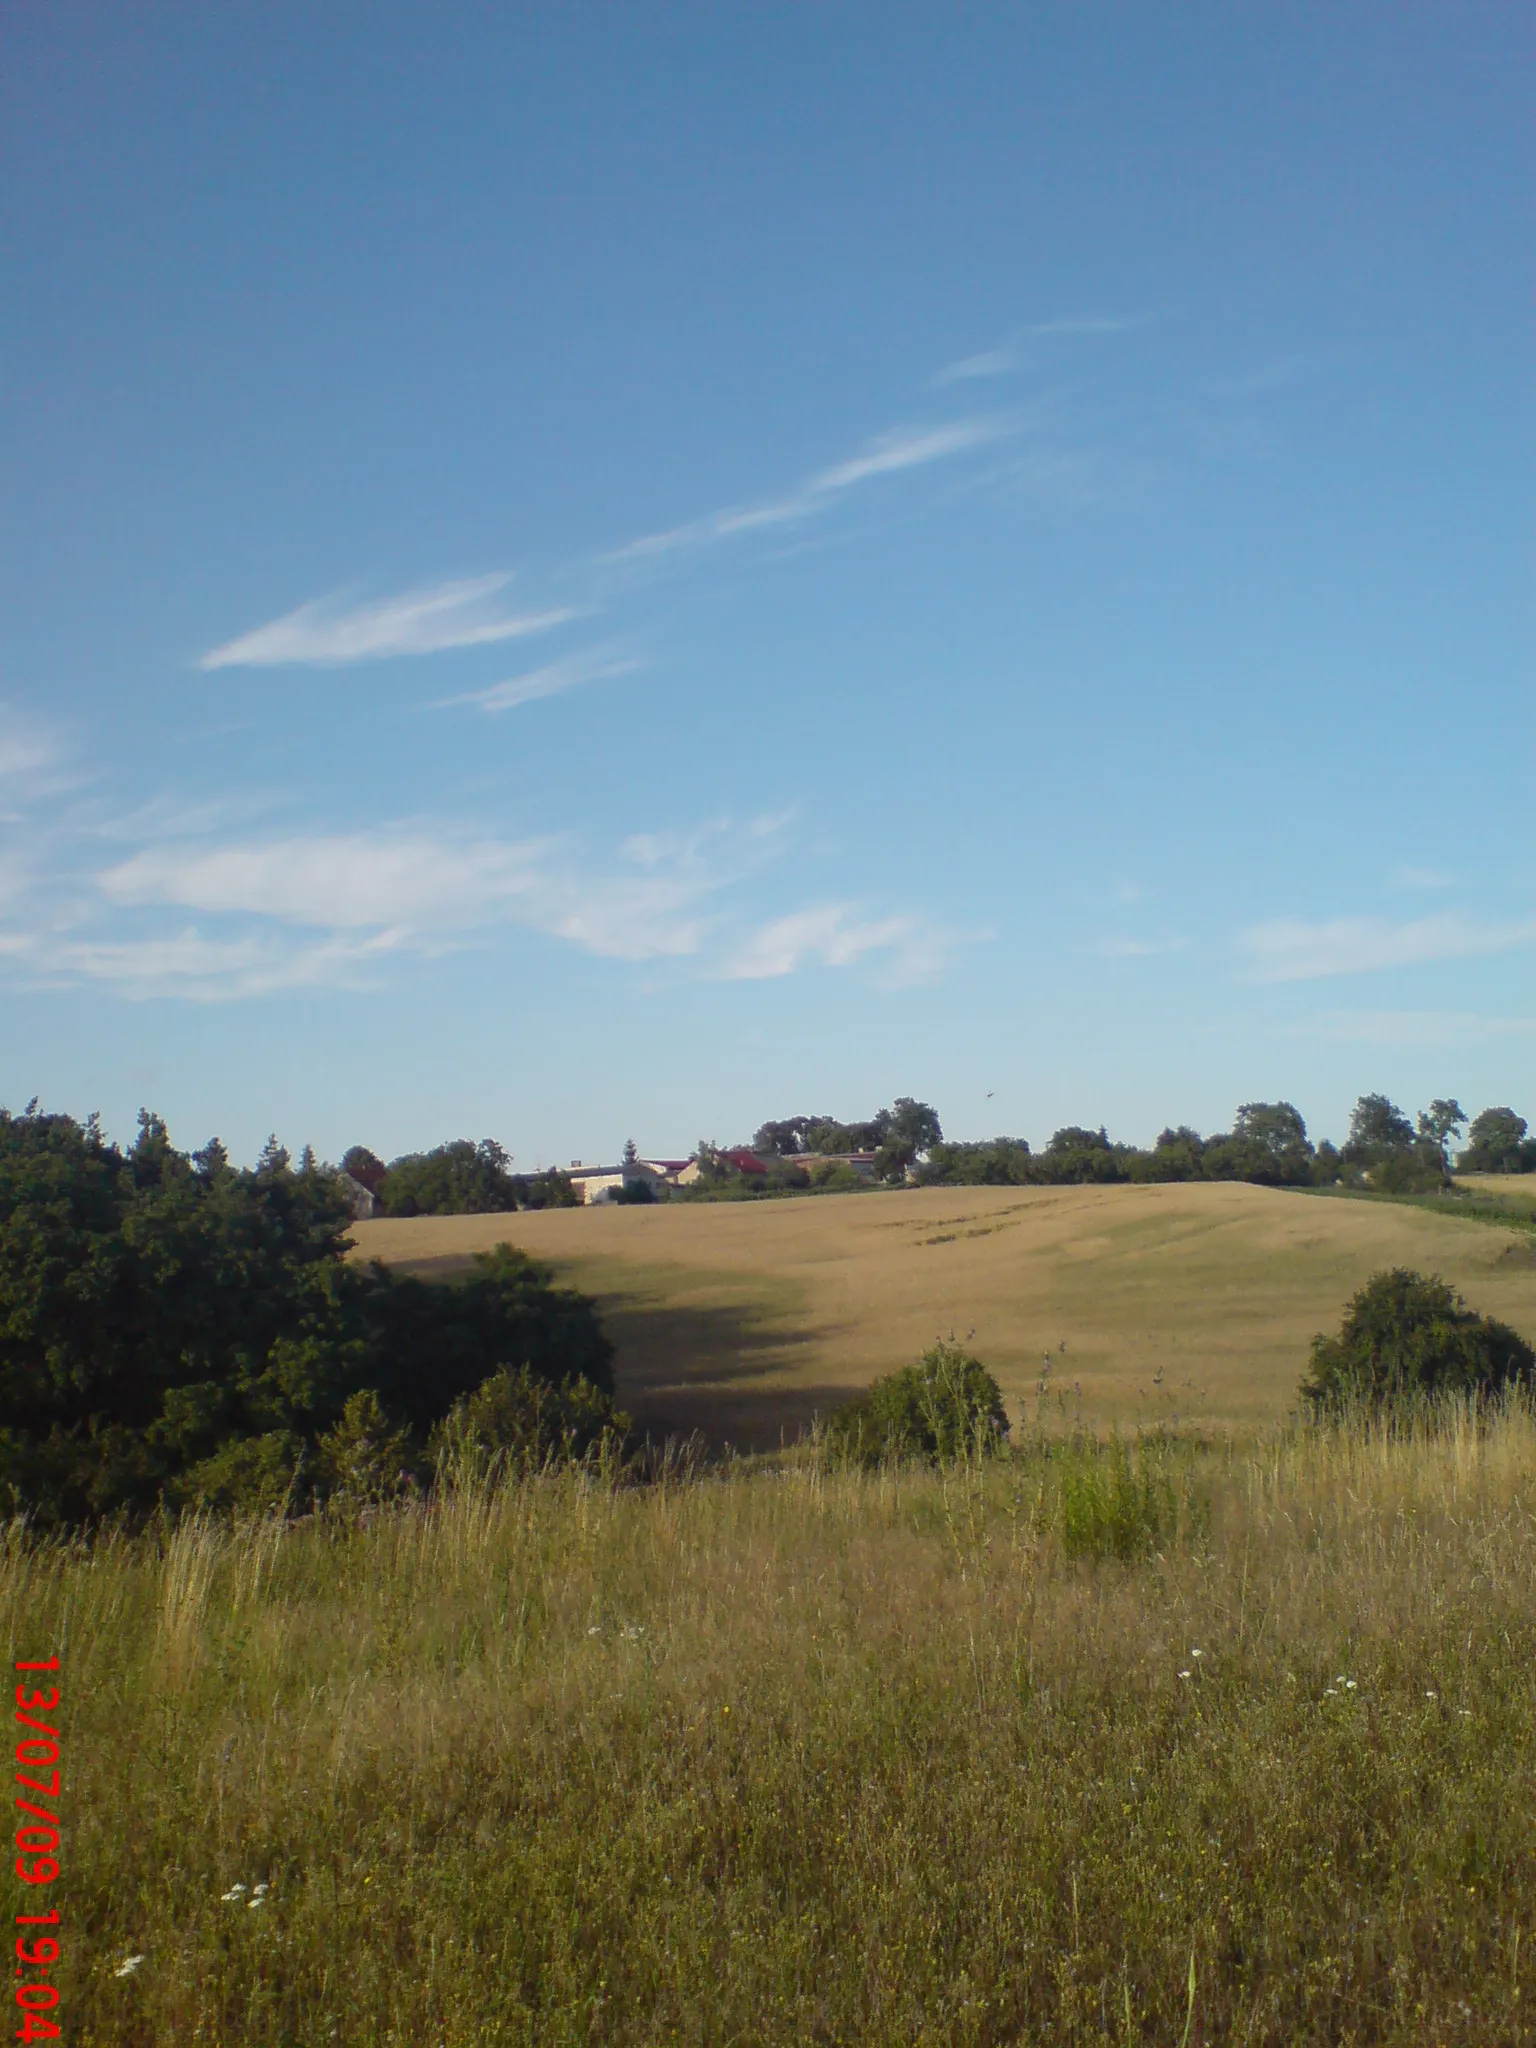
{"x": 727, "y": 1370}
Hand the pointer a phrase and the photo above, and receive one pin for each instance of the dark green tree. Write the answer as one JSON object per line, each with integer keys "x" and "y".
{"x": 789, "y": 1136}
{"x": 994, "y": 1162}
{"x": 1377, "y": 1129}
{"x": 1075, "y": 1154}
{"x": 910, "y": 1129}
{"x": 1406, "y": 1338}
{"x": 508, "y": 1312}
{"x": 1268, "y": 1145}
{"x": 173, "y": 1329}
{"x": 1438, "y": 1125}
{"x": 1327, "y": 1165}
{"x": 1497, "y": 1143}
{"x": 154, "y": 1307}
{"x": 365, "y": 1167}
{"x": 457, "y": 1179}
{"x": 1177, "y": 1155}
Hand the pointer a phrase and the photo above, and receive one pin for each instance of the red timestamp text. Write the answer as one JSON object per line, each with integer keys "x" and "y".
{"x": 37, "y": 1842}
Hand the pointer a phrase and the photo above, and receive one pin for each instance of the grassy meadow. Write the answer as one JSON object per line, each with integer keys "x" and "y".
{"x": 1216, "y": 1731}
{"x": 1190, "y": 1303}
{"x": 1198, "y": 1745}
{"x": 1519, "y": 1188}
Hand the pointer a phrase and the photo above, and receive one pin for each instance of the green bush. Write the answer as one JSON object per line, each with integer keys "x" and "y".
{"x": 252, "y": 1473}
{"x": 1419, "y": 1172}
{"x": 945, "y": 1407}
{"x": 1114, "y": 1504}
{"x": 365, "y": 1458}
{"x": 1407, "y": 1340}
{"x": 517, "y": 1420}
{"x": 836, "y": 1177}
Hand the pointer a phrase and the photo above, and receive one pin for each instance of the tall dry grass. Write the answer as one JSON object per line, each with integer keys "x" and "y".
{"x": 783, "y": 1755}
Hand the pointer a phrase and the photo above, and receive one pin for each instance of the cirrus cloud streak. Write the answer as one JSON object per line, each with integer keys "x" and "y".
{"x": 326, "y": 634}
{"x": 1289, "y": 949}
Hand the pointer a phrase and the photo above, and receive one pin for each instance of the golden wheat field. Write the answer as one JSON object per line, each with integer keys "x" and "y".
{"x": 742, "y": 1320}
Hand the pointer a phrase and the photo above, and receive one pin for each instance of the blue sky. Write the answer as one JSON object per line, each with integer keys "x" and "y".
{"x": 579, "y": 572}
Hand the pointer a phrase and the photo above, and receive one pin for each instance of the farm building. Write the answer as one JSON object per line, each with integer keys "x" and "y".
{"x": 738, "y": 1157}
{"x": 365, "y": 1203}
{"x": 602, "y": 1183}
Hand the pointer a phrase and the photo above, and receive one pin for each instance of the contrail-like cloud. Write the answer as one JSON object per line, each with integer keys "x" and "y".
{"x": 903, "y": 448}
{"x": 324, "y": 634}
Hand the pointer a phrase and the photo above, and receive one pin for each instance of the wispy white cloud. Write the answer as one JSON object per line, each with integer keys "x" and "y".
{"x": 907, "y": 448}
{"x": 1414, "y": 1027}
{"x": 1421, "y": 878}
{"x": 311, "y": 908}
{"x": 211, "y": 920}
{"x": 403, "y": 878}
{"x": 33, "y": 764}
{"x": 190, "y": 966}
{"x": 837, "y": 935}
{"x": 1275, "y": 374}
{"x": 23, "y": 754}
{"x": 990, "y": 362}
{"x": 171, "y": 817}
{"x": 1287, "y": 949}
{"x": 1014, "y": 353}
{"x": 426, "y": 889}
{"x": 569, "y": 673}
{"x": 902, "y": 449}
{"x": 209, "y": 907}
{"x": 326, "y": 633}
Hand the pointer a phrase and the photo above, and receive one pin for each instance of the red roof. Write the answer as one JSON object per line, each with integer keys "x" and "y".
{"x": 745, "y": 1161}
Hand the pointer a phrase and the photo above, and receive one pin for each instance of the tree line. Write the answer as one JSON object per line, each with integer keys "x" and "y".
{"x": 1268, "y": 1144}
{"x": 461, "y": 1178}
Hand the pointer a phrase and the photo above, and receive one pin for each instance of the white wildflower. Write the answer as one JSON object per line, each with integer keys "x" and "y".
{"x": 1186, "y": 1674}
{"x": 1350, "y": 1686}
{"x": 1431, "y": 1695}
{"x": 1197, "y": 1653}
{"x": 236, "y": 1891}
{"x": 127, "y": 1967}
{"x": 255, "y": 1903}
{"x": 261, "y": 1891}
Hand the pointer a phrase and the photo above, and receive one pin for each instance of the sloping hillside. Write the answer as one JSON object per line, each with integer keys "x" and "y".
{"x": 1194, "y": 1301}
